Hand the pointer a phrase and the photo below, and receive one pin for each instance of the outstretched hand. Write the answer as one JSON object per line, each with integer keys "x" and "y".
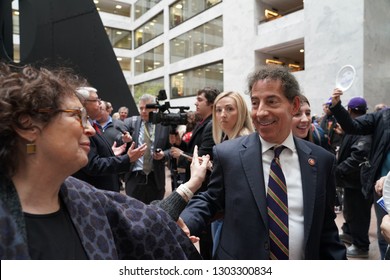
{"x": 198, "y": 170}
{"x": 136, "y": 153}
{"x": 118, "y": 150}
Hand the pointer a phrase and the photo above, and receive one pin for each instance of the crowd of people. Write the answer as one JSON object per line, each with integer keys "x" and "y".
{"x": 257, "y": 183}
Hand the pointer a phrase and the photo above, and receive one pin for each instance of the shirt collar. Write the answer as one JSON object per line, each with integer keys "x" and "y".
{"x": 288, "y": 143}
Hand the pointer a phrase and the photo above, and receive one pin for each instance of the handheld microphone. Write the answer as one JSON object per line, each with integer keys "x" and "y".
{"x": 120, "y": 130}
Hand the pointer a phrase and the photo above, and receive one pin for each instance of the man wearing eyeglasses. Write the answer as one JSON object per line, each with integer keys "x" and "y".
{"x": 103, "y": 168}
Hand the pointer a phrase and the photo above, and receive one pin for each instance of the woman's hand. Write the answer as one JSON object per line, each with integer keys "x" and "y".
{"x": 184, "y": 228}
{"x": 198, "y": 170}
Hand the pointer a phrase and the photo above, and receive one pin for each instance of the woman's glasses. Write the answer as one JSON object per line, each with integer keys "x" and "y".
{"x": 80, "y": 112}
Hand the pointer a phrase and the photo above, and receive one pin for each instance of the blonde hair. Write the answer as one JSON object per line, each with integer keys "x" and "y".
{"x": 243, "y": 125}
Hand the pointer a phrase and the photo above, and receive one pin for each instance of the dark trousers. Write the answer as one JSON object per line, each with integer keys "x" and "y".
{"x": 357, "y": 215}
{"x": 143, "y": 187}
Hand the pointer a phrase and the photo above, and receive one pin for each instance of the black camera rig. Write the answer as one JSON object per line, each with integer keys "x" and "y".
{"x": 164, "y": 116}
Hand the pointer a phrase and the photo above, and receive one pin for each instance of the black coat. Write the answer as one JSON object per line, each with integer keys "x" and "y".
{"x": 202, "y": 136}
{"x": 378, "y": 125}
{"x": 103, "y": 168}
{"x": 353, "y": 153}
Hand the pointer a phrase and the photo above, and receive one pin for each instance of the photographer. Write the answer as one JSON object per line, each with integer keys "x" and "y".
{"x": 146, "y": 180}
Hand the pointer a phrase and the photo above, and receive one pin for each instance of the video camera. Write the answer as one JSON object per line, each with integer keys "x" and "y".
{"x": 167, "y": 119}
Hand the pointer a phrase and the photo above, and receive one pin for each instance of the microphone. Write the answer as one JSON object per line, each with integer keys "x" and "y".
{"x": 120, "y": 130}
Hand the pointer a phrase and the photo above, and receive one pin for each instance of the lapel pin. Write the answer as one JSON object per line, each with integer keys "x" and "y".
{"x": 311, "y": 161}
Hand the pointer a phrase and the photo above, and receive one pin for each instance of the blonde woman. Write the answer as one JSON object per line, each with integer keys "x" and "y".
{"x": 231, "y": 119}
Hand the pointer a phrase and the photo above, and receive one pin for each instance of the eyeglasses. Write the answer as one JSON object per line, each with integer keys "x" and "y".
{"x": 80, "y": 112}
{"x": 94, "y": 100}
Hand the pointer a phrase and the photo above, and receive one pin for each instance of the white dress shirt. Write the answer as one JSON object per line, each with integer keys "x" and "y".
{"x": 291, "y": 169}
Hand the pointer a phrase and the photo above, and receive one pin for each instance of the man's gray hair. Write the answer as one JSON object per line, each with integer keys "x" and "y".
{"x": 147, "y": 97}
{"x": 84, "y": 92}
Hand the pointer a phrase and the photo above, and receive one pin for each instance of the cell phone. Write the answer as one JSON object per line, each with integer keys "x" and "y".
{"x": 120, "y": 129}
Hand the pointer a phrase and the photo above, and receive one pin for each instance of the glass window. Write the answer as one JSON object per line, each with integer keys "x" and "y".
{"x": 183, "y": 10}
{"x": 152, "y": 87}
{"x": 149, "y": 60}
{"x": 125, "y": 63}
{"x": 15, "y": 21}
{"x": 119, "y": 38}
{"x": 277, "y": 9}
{"x": 187, "y": 83}
{"x": 142, "y": 6}
{"x": 204, "y": 38}
{"x": 149, "y": 30}
{"x": 113, "y": 7}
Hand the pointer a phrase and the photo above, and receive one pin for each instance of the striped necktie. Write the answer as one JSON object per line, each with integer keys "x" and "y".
{"x": 277, "y": 210}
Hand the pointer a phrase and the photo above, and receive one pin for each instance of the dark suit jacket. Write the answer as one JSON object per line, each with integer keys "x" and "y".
{"x": 237, "y": 187}
{"x": 202, "y": 136}
{"x": 161, "y": 140}
{"x": 103, "y": 168}
{"x": 112, "y": 134}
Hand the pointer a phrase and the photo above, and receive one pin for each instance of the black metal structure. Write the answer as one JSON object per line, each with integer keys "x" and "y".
{"x": 67, "y": 33}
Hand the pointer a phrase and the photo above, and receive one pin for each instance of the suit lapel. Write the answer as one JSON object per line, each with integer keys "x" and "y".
{"x": 254, "y": 174}
{"x": 137, "y": 127}
{"x": 309, "y": 173}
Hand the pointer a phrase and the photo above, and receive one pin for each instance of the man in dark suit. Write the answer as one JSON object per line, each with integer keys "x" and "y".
{"x": 239, "y": 182}
{"x": 147, "y": 183}
{"x": 202, "y": 136}
{"x": 103, "y": 168}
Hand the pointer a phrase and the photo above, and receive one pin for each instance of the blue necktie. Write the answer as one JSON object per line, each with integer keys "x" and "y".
{"x": 277, "y": 210}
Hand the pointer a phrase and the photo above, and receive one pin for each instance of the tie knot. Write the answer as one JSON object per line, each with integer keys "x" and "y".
{"x": 278, "y": 150}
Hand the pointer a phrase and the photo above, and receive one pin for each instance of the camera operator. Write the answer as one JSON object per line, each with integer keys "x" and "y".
{"x": 146, "y": 180}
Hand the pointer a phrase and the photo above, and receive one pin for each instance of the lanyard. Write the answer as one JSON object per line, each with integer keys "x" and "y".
{"x": 150, "y": 136}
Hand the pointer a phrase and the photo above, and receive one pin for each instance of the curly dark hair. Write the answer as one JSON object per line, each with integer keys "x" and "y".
{"x": 290, "y": 85}
{"x": 23, "y": 91}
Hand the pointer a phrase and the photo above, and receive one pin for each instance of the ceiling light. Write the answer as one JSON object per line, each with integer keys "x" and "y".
{"x": 118, "y": 6}
{"x": 271, "y": 14}
{"x": 273, "y": 61}
{"x": 292, "y": 65}
{"x": 179, "y": 6}
{"x": 301, "y": 50}
{"x": 96, "y": 1}
{"x": 119, "y": 58}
